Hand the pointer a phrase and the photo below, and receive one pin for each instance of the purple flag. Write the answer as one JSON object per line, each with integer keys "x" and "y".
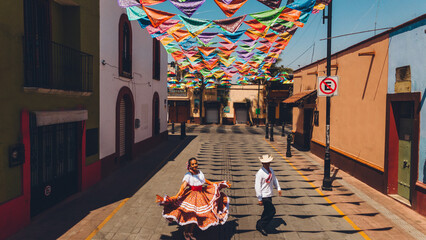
{"x": 188, "y": 7}
{"x": 205, "y": 37}
{"x": 249, "y": 41}
{"x": 128, "y": 3}
{"x": 271, "y": 3}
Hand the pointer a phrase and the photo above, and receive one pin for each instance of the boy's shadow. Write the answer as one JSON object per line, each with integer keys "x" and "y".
{"x": 274, "y": 224}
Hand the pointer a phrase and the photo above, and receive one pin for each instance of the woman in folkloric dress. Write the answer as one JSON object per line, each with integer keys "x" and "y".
{"x": 195, "y": 204}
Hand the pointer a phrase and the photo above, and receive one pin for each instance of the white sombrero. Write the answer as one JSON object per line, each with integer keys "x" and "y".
{"x": 266, "y": 158}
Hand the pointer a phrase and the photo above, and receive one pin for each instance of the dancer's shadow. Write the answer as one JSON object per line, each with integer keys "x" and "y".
{"x": 225, "y": 232}
{"x": 274, "y": 224}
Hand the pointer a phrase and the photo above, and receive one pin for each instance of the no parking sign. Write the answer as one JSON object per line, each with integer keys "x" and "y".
{"x": 327, "y": 86}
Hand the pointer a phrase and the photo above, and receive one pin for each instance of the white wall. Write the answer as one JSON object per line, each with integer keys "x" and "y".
{"x": 142, "y": 85}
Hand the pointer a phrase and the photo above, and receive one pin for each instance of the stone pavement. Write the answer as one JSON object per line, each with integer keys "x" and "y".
{"x": 351, "y": 211}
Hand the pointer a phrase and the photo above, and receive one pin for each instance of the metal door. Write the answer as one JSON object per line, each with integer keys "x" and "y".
{"x": 241, "y": 115}
{"x": 405, "y": 134}
{"x": 54, "y": 161}
{"x": 212, "y": 115}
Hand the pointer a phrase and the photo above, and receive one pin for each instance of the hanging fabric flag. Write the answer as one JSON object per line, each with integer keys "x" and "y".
{"x": 230, "y": 24}
{"x": 304, "y": 17}
{"x": 290, "y": 15}
{"x": 267, "y": 17}
{"x": 190, "y": 54}
{"x": 172, "y": 49}
{"x": 157, "y": 34}
{"x": 205, "y": 72}
{"x": 144, "y": 22}
{"x": 135, "y": 13}
{"x": 193, "y": 24}
{"x": 157, "y": 17}
{"x": 247, "y": 48}
{"x": 271, "y": 3}
{"x": 249, "y": 41}
{"x": 302, "y": 5}
{"x": 320, "y": 5}
{"x": 226, "y": 51}
{"x": 256, "y": 25}
{"x": 281, "y": 40}
{"x": 167, "y": 25}
{"x": 230, "y": 8}
{"x": 175, "y": 27}
{"x": 128, "y": 3}
{"x": 205, "y": 37}
{"x": 233, "y": 37}
{"x": 209, "y": 57}
{"x": 276, "y": 50}
{"x": 206, "y": 50}
{"x": 188, "y": 7}
{"x": 159, "y": 38}
{"x": 188, "y": 44}
{"x": 150, "y": 2}
{"x": 251, "y": 35}
{"x": 271, "y": 37}
{"x": 227, "y": 45}
{"x": 180, "y": 35}
{"x": 151, "y": 30}
{"x": 218, "y": 74}
{"x": 177, "y": 55}
{"x": 280, "y": 46}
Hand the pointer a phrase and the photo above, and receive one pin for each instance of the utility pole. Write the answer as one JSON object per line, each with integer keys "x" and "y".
{"x": 326, "y": 183}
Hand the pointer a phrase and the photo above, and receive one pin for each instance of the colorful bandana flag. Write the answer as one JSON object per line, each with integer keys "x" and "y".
{"x": 267, "y": 17}
{"x": 256, "y": 25}
{"x": 227, "y": 45}
{"x": 157, "y": 17}
{"x": 194, "y": 25}
{"x": 230, "y": 24}
{"x": 180, "y": 35}
{"x": 135, "y": 13}
{"x": 271, "y": 3}
{"x": 206, "y": 50}
{"x": 233, "y": 37}
{"x": 128, "y": 3}
{"x": 144, "y": 22}
{"x": 205, "y": 37}
{"x": 230, "y": 8}
{"x": 150, "y": 2}
{"x": 188, "y": 7}
{"x": 302, "y": 5}
{"x": 249, "y": 41}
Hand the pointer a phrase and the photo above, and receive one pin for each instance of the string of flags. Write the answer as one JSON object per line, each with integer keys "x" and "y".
{"x": 246, "y": 45}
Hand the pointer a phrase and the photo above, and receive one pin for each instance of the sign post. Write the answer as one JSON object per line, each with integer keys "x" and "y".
{"x": 328, "y": 89}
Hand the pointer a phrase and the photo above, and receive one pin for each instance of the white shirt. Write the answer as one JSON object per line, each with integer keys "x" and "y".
{"x": 194, "y": 180}
{"x": 264, "y": 189}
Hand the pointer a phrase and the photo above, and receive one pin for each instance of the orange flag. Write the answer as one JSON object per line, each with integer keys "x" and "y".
{"x": 180, "y": 34}
{"x": 231, "y": 8}
{"x": 271, "y": 37}
{"x": 206, "y": 50}
{"x": 157, "y": 17}
{"x": 150, "y": 2}
{"x": 256, "y": 25}
{"x": 264, "y": 48}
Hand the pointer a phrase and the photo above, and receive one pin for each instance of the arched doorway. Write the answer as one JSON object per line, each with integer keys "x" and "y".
{"x": 155, "y": 114}
{"x": 125, "y": 113}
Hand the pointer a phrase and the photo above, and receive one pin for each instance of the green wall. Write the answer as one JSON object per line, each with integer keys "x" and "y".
{"x": 13, "y": 98}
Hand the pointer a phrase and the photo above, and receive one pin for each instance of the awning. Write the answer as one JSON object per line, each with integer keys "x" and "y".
{"x": 299, "y": 97}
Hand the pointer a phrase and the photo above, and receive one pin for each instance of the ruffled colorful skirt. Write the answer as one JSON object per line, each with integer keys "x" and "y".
{"x": 205, "y": 207}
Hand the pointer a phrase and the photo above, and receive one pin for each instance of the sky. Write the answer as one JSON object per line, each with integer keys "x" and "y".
{"x": 349, "y": 16}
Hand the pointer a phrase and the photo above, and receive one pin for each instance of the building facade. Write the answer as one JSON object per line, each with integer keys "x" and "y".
{"x": 133, "y": 89}
{"x": 375, "y": 128}
{"x": 50, "y": 103}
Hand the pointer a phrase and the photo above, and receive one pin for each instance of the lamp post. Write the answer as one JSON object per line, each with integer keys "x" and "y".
{"x": 326, "y": 183}
{"x": 258, "y": 107}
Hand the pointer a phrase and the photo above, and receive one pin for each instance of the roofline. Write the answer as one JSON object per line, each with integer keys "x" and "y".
{"x": 367, "y": 40}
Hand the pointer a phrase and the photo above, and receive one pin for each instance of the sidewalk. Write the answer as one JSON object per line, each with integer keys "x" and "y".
{"x": 78, "y": 216}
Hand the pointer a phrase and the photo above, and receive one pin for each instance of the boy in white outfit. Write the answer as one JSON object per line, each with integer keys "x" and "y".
{"x": 265, "y": 181}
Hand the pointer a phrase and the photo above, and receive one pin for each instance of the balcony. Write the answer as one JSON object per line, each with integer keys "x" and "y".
{"x": 50, "y": 65}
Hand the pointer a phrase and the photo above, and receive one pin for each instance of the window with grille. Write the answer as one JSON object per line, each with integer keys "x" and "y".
{"x": 155, "y": 59}
{"x": 125, "y": 47}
